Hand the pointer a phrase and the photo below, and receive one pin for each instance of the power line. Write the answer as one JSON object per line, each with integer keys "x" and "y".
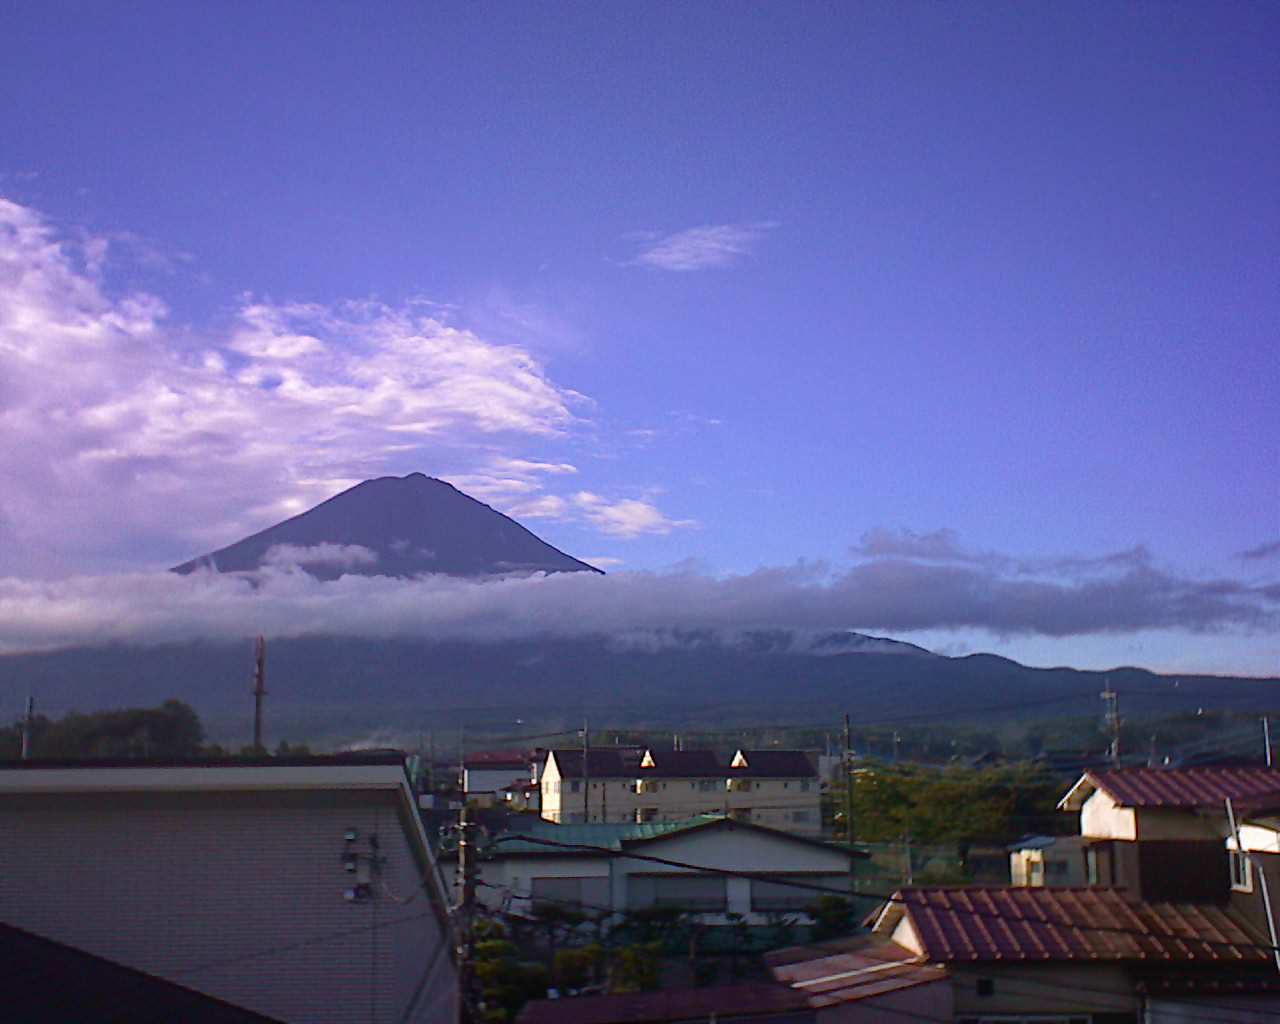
{"x": 885, "y": 897}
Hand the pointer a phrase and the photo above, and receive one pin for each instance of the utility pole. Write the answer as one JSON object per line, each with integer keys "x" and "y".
{"x": 1266, "y": 737}
{"x": 31, "y": 709}
{"x": 466, "y": 908}
{"x": 1112, "y": 700}
{"x": 848, "y": 787}
{"x": 586, "y": 773}
{"x": 259, "y": 690}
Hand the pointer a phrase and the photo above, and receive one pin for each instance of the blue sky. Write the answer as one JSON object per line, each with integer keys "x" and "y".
{"x": 712, "y": 286}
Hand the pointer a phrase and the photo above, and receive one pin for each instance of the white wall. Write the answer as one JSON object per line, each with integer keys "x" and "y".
{"x": 237, "y": 895}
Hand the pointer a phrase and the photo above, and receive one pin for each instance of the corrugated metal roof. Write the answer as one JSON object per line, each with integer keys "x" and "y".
{"x": 1090, "y": 925}
{"x": 609, "y": 835}
{"x": 745, "y": 999}
{"x": 1186, "y": 787}
{"x": 861, "y": 969}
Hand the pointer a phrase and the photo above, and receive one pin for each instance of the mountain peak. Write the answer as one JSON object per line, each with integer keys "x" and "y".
{"x": 395, "y": 526}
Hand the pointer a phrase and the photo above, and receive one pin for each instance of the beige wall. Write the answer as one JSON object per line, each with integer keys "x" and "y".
{"x": 238, "y": 895}
{"x": 784, "y": 804}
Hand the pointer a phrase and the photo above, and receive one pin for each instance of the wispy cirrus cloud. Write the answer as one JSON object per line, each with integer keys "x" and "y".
{"x": 1262, "y": 551}
{"x": 701, "y": 248}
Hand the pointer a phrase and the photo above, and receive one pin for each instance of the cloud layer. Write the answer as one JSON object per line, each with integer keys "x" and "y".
{"x": 890, "y": 594}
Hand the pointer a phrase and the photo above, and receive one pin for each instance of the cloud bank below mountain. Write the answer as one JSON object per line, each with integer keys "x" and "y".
{"x": 1111, "y": 595}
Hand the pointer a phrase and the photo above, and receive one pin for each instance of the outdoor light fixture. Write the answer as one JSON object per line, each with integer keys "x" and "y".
{"x": 351, "y": 835}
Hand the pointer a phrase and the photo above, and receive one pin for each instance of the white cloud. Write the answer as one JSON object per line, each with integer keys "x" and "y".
{"x": 337, "y": 556}
{"x": 546, "y": 506}
{"x": 120, "y": 437}
{"x": 627, "y": 517}
{"x": 701, "y": 248}
{"x": 890, "y": 594}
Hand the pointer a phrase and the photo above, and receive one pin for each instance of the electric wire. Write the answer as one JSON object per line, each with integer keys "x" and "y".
{"x": 882, "y": 896}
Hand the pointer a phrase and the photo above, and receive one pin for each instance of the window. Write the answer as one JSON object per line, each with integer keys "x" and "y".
{"x": 804, "y": 785}
{"x": 707, "y": 786}
{"x": 1241, "y": 871}
{"x": 575, "y": 786}
{"x": 705, "y": 893}
{"x": 1091, "y": 865}
{"x": 767, "y": 894}
{"x": 571, "y": 893}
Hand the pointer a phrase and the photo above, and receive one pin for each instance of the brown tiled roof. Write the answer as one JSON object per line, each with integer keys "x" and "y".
{"x": 776, "y": 764}
{"x": 746, "y": 999}
{"x": 1186, "y": 787}
{"x": 684, "y": 764}
{"x": 1012, "y": 924}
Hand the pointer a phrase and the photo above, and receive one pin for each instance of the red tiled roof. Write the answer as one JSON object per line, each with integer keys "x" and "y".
{"x": 1186, "y": 787}
{"x": 742, "y": 1000}
{"x": 1012, "y": 924}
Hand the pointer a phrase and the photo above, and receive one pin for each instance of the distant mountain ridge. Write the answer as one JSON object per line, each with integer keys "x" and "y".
{"x": 394, "y": 526}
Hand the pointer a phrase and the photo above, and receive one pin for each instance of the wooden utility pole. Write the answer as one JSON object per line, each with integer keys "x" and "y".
{"x": 26, "y": 727}
{"x": 848, "y": 785}
{"x": 466, "y": 909}
{"x": 259, "y": 690}
{"x": 586, "y": 773}
{"x": 1112, "y": 700}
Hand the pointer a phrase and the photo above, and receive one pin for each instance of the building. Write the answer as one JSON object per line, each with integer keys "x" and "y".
{"x": 299, "y": 889}
{"x": 1169, "y": 925}
{"x": 1047, "y": 860}
{"x": 487, "y": 773}
{"x": 775, "y": 788}
{"x": 712, "y": 866}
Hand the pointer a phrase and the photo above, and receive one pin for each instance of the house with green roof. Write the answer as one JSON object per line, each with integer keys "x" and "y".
{"x": 711, "y": 865}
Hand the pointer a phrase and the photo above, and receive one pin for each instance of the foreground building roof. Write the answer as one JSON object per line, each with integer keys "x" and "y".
{"x": 850, "y": 970}
{"x": 1177, "y": 788}
{"x": 48, "y": 982}
{"x": 747, "y": 999}
{"x": 951, "y": 925}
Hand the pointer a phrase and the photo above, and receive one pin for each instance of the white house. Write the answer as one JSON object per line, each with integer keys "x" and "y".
{"x": 721, "y": 867}
{"x": 300, "y": 889}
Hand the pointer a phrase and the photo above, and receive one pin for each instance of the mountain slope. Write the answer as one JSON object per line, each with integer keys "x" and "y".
{"x": 395, "y": 526}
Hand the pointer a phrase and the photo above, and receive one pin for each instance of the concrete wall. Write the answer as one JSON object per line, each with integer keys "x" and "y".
{"x": 238, "y": 895}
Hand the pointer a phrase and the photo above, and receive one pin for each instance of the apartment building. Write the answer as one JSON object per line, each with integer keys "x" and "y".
{"x": 775, "y": 788}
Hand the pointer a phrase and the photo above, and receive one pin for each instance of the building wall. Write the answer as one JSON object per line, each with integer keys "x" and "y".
{"x": 1043, "y": 988}
{"x": 490, "y": 780}
{"x": 738, "y": 850}
{"x": 238, "y": 895}
{"x": 510, "y": 879}
{"x": 791, "y": 805}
